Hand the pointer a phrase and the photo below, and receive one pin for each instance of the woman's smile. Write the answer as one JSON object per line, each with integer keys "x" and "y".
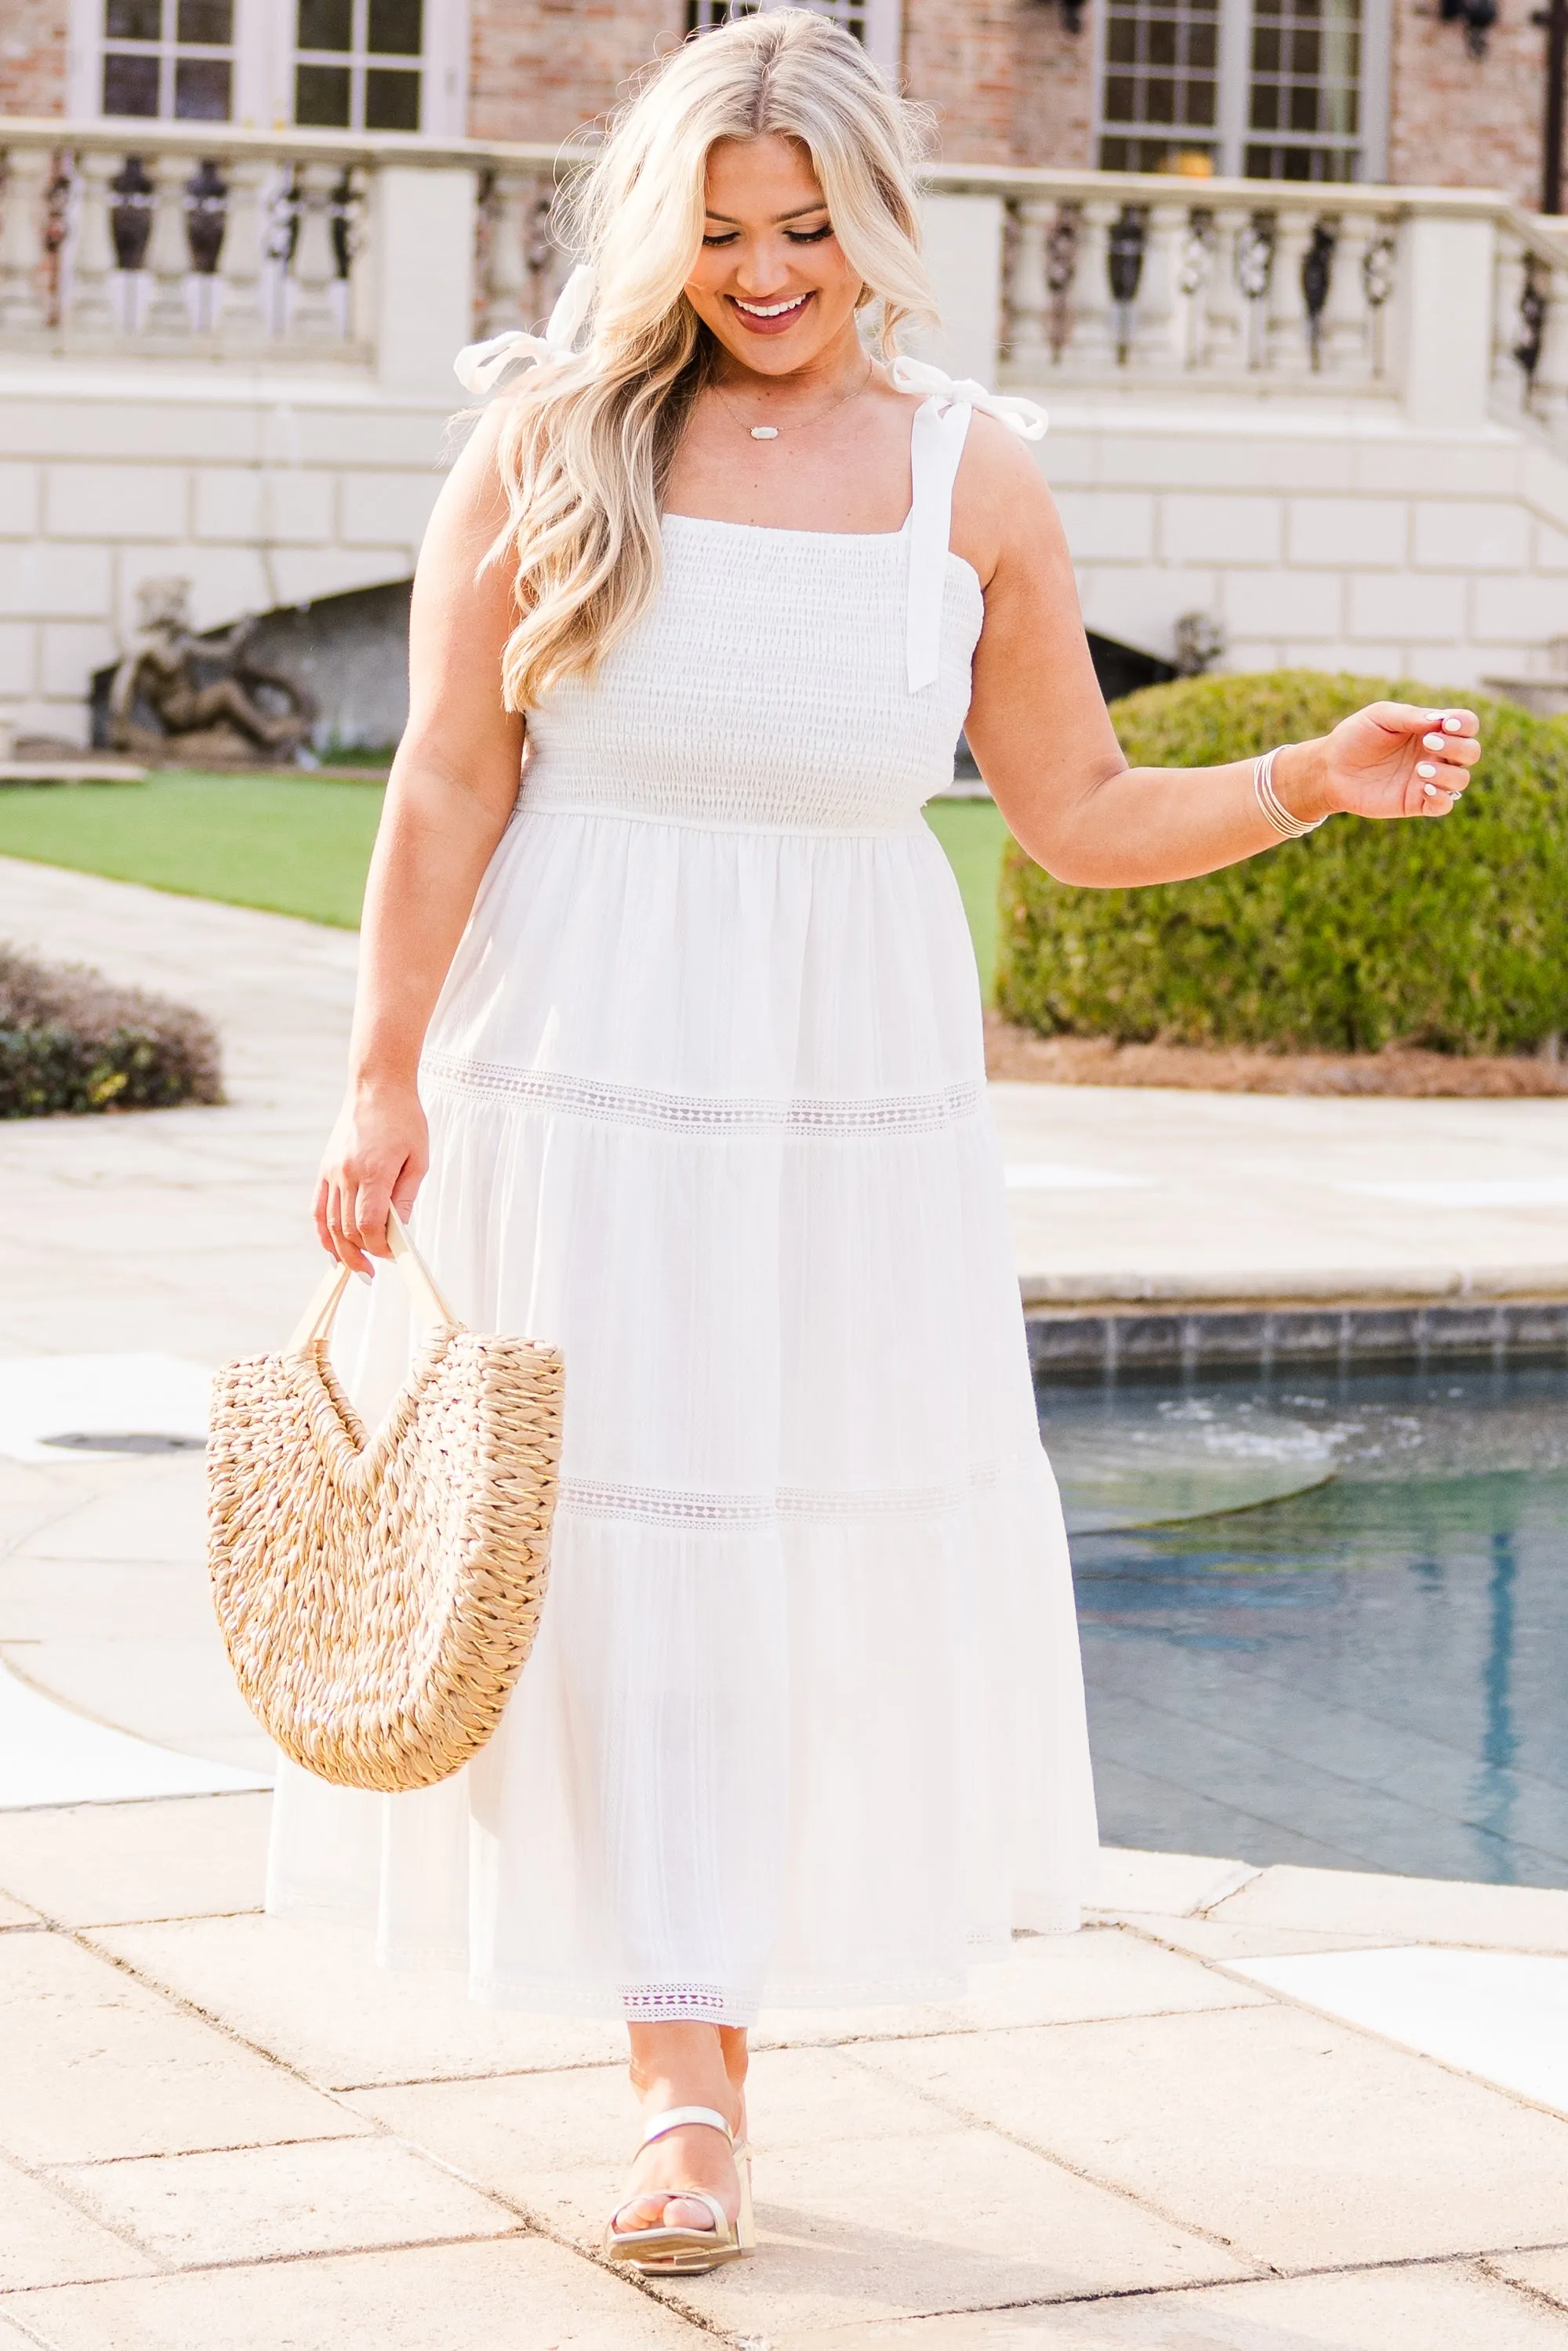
{"x": 770, "y": 318}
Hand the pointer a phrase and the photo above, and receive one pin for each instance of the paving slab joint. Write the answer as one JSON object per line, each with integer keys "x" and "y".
{"x": 1244, "y": 1876}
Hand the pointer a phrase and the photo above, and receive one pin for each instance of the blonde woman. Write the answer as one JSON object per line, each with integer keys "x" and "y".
{"x": 694, "y": 1019}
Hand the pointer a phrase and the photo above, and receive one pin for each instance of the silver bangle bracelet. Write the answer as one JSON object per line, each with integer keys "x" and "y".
{"x": 1287, "y": 826}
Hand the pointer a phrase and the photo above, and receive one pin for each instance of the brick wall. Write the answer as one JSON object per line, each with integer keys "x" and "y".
{"x": 542, "y": 67}
{"x": 1054, "y": 91}
{"x": 32, "y": 57}
{"x": 1457, "y": 121}
{"x": 960, "y": 57}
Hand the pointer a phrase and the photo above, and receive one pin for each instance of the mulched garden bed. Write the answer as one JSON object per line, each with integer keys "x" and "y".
{"x": 1020, "y": 1054}
{"x": 72, "y": 1042}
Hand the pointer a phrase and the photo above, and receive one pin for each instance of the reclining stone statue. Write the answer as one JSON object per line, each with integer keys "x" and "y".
{"x": 200, "y": 717}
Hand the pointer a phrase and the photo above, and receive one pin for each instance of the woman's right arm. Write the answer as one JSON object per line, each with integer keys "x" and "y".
{"x": 452, "y": 786}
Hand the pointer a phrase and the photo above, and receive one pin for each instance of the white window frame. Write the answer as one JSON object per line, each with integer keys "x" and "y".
{"x": 1232, "y": 135}
{"x": 883, "y": 27}
{"x": 263, "y": 91}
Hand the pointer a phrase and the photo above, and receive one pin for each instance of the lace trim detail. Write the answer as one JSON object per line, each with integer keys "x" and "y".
{"x": 669, "y": 1506}
{"x": 670, "y": 2004}
{"x": 804, "y": 1115}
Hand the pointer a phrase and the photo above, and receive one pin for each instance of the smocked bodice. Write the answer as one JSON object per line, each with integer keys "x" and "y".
{"x": 781, "y": 679}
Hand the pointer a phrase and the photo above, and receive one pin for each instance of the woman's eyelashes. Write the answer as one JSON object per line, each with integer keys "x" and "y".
{"x": 792, "y": 236}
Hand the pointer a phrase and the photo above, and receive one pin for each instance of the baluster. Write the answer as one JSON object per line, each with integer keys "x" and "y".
{"x": 1316, "y": 273}
{"x": 1064, "y": 250}
{"x": 242, "y": 307}
{"x": 1379, "y": 275}
{"x": 314, "y": 310}
{"x": 131, "y": 227}
{"x": 1093, "y": 349}
{"x": 206, "y": 228}
{"x": 1509, "y": 382}
{"x": 345, "y": 212}
{"x": 59, "y": 209}
{"x": 1224, "y": 311}
{"x": 1286, "y": 350}
{"x": 505, "y": 283}
{"x": 168, "y": 251}
{"x": 1254, "y": 277}
{"x": 1195, "y": 269}
{"x": 1547, "y": 316}
{"x": 547, "y": 264}
{"x": 1162, "y": 310}
{"x": 89, "y": 290}
{"x": 1344, "y": 325}
{"x": 22, "y": 309}
{"x": 1026, "y": 296}
{"x": 1125, "y": 247}
{"x": 279, "y": 234}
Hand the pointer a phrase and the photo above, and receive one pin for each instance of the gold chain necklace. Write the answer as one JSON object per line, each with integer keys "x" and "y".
{"x": 770, "y": 431}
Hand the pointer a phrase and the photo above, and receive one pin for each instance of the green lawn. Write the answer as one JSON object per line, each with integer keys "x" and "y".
{"x": 255, "y": 841}
{"x": 301, "y": 848}
{"x": 973, "y": 833}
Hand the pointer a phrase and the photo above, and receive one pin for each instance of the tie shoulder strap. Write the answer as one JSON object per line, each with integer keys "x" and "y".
{"x": 481, "y": 367}
{"x": 1027, "y": 418}
{"x": 937, "y": 444}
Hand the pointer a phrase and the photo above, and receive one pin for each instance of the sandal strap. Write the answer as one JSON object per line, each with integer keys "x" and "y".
{"x": 676, "y": 2118}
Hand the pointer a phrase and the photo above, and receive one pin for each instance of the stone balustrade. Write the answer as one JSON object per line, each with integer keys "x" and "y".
{"x": 1448, "y": 300}
{"x": 1530, "y": 337}
{"x": 384, "y": 253}
{"x": 199, "y": 241}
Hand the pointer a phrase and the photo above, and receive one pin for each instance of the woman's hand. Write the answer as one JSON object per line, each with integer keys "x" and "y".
{"x": 378, "y": 1154}
{"x": 1394, "y": 759}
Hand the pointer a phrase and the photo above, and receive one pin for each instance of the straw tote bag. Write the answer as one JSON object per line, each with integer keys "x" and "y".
{"x": 379, "y": 1596}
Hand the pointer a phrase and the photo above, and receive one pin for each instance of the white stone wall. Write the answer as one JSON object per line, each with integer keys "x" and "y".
{"x": 1327, "y": 536}
{"x": 1333, "y": 537}
{"x": 263, "y": 490}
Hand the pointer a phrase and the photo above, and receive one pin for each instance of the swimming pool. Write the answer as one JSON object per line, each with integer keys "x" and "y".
{"x": 1325, "y": 1616}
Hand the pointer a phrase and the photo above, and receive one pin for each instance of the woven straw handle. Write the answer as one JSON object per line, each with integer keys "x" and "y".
{"x": 417, "y": 1280}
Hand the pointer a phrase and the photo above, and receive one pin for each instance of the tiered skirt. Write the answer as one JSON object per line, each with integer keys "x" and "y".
{"x": 804, "y": 1723}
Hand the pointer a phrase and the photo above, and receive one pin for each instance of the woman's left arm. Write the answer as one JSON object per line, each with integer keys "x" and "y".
{"x": 1039, "y": 728}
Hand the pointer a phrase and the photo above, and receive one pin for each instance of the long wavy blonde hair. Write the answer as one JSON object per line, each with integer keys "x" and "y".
{"x": 587, "y": 443}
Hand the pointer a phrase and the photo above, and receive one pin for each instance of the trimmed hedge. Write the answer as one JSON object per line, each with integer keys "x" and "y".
{"x": 72, "y": 1042}
{"x": 1452, "y": 935}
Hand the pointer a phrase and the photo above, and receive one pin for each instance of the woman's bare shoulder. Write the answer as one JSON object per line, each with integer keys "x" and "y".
{"x": 1000, "y": 500}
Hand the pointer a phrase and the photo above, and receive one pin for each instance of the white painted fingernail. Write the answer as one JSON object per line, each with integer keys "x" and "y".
{"x": 1431, "y": 791}
{"x": 1452, "y": 726}
{"x": 1435, "y": 742}
{"x": 1426, "y": 769}
{"x": 368, "y": 1279}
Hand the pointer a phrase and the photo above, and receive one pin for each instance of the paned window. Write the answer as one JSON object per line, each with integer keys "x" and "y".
{"x": 358, "y": 64}
{"x": 1160, "y": 89}
{"x": 1276, "y": 90}
{"x": 171, "y": 59}
{"x": 703, "y": 14}
{"x": 874, "y": 22}
{"x": 1304, "y": 102}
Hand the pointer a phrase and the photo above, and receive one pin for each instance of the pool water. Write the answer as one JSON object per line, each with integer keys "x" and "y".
{"x": 1325, "y": 1618}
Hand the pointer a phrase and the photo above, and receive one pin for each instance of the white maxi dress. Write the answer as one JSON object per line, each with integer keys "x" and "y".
{"x": 804, "y": 1721}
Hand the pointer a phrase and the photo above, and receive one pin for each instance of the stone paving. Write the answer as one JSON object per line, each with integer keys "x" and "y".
{"x": 1246, "y": 2110}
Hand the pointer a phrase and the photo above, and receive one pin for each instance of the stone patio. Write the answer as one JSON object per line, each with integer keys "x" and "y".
{"x": 1246, "y": 2110}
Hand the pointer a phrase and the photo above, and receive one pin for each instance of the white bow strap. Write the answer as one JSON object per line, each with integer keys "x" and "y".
{"x": 1024, "y": 417}
{"x": 480, "y": 367}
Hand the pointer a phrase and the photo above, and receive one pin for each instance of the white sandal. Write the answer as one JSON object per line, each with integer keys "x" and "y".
{"x": 687, "y": 2252}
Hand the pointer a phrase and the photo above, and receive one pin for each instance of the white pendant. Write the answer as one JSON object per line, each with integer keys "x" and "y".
{"x": 765, "y": 433}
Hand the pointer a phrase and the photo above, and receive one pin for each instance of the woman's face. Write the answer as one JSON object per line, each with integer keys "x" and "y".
{"x": 771, "y": 280}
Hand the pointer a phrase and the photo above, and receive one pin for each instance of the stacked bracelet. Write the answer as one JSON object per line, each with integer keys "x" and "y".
{"x": 1287, "y": 826}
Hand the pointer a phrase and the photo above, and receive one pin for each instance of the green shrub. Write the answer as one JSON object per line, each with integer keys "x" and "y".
{"x": 1452, "y": 935}
{"x": 72, "y": 1042}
